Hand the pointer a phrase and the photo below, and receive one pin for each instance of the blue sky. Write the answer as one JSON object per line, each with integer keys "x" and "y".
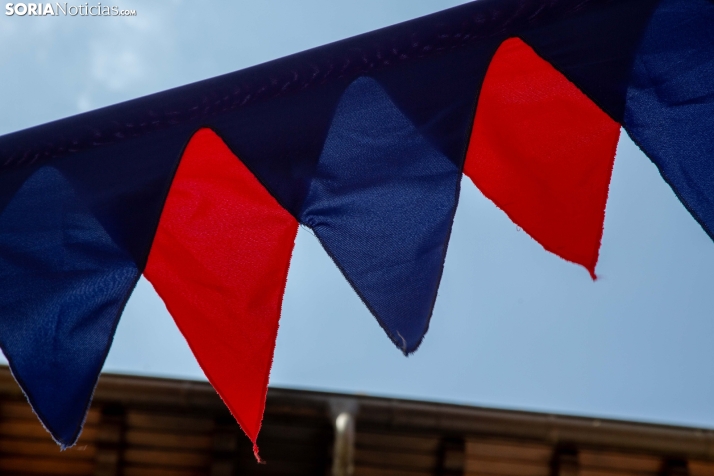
{"x": 514, "y": 326}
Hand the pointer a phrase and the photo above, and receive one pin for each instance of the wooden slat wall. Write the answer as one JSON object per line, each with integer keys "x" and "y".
{"x": 167, "y": 444}
{"x": 507, "y": 458}
{"x": 612, "y": 463}
{"x": 293, "y": 441}
{"x": 164, "y": 442}
{"x": 485, "y": 457}
{"x": 27, "y": 449}
{"x": 389, "y": 454}
{"x": 701, "y": 468}
{"x": 150, "y": 434}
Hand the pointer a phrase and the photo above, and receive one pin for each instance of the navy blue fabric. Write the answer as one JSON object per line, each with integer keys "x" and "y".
{"x": 280, "y": 140}
{"x": 670, "y": 101}
{"x": 125, "y": 184}
{"x": 275, "y": 116}
{"x": 64, "y": 283}
{"x": 595, "y": 48}
{"x": 373, "y": 165}
{"x": 441, "y": 102}
{"x": 382, "y": 203}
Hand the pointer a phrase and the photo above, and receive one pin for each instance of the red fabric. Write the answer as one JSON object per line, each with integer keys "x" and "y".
{"x": 220, "y": 261}
{"x": 543, "y": 152}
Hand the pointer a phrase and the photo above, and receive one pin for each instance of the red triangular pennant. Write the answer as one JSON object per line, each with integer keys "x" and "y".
{"x": 220, "y": 262}
{"x": 543, "y": 152}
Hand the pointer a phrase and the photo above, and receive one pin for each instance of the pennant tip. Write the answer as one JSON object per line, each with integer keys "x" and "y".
{"x": 256, "y": 453}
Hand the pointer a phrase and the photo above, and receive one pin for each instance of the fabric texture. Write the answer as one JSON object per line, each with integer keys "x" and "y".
{"x": 220, "y": 261}
{"x": 670, "y": 102}
{"x": 382, "y": 202}
{"x": 363, "y": 140}
{"x": 595, "y": 47}
{"x": 543, "y": 152}
{"x": 64, "y": 283}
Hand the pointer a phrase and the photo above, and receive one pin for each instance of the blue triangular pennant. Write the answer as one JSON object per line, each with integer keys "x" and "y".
{"x": 382, "y": 204}
{"x": 64, "y": 285}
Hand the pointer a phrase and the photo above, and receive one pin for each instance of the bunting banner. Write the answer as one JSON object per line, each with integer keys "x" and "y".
{"x": 201, "y": 188}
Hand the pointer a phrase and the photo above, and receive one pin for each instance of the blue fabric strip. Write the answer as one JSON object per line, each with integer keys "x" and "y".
{"x": 64, "y": 283}
{"x": 382, "y": 203}
{"x": 670, "y": 101}
{"x": 375, "y": 172}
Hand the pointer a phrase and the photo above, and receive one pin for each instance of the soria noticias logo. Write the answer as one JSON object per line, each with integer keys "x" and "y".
{"x": 65, "y": 9}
